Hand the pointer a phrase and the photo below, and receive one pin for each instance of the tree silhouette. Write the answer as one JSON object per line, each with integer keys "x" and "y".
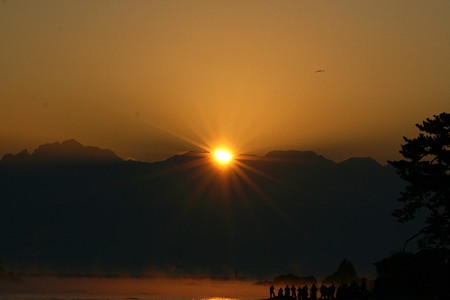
{"x": 426, "y": 169}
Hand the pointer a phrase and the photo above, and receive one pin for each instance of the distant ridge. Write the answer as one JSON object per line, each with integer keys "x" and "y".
{"x": 360, "y": 162}
{"x": 299, "y": 156}
{"x": 186, "y": 156}
{"x": 72, "y": 151}
{"x": 69, "y": 151}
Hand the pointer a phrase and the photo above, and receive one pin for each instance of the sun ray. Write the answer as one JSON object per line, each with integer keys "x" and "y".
{"x": 236, "y": 171}
{"x": 266, "y": 198}
{"x": 265, "y": 175}
{"x": 196, "y": 160}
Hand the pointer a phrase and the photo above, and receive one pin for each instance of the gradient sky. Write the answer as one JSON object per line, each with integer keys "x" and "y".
{"x": 149, "y": 79}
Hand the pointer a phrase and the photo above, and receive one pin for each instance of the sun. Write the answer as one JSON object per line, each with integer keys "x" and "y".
{"x": 223, "y": 156}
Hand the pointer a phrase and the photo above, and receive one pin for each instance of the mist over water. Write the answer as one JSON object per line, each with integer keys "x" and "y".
{"x": 126, "y": 288}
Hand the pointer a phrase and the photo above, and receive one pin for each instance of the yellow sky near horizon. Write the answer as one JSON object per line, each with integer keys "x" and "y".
{"x": 148, "y": 79}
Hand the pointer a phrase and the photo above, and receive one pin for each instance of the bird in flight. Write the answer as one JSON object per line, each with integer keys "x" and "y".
{"x": 320, "y": 71}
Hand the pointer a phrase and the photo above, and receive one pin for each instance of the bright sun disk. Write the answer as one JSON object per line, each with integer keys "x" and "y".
{"x": 223, "y": 156}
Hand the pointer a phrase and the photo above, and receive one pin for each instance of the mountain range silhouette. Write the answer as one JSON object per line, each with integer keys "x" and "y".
{"x": 69, "y": 151}
{"x": 69, "y": 208}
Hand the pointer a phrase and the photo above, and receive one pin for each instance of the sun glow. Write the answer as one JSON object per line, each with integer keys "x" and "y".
{"x": 222, "y": 156}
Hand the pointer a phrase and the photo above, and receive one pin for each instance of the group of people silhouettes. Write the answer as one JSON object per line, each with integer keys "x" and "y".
{"x": 303, "y": 293}
{"x": 344, "y": 291}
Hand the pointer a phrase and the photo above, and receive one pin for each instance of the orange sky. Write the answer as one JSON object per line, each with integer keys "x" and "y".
{"x": 149, "y": 79}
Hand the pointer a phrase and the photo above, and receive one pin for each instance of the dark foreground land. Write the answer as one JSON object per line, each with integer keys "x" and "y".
{"x": 371, "y": 297}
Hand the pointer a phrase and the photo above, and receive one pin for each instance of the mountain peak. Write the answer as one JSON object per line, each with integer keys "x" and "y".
{"x": 360, "y": 162}
{"x": 69, "y": 151}
{"x": 71, "y": 143}
{"x": 57, "y": 148}
{"x": 308, "y": 157}
{"x": 23, "y": 155}
{"x": 187, "y": 156}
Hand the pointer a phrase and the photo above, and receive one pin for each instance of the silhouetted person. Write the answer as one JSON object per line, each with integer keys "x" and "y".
{"x": 323, "y": 291}
{"x": 280, "y": 292}
{"x": 331, "y": 291}
{"x": 363, "y": 289}
{"x": 293, "y": 289}
{"x": 313, "y": 292}
{"x": 342, "y": 291}
{"x": 353, "y": 291}
{"x": 304, "y": 292}
{"x": 272, "y": 291}
{"x": 287, "y": 291}
{"x": 299, "y": 292}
